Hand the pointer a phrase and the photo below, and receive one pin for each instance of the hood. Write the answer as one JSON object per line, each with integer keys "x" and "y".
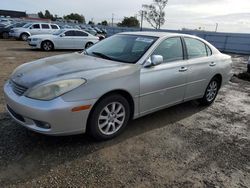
{"x": 67, "y": 66}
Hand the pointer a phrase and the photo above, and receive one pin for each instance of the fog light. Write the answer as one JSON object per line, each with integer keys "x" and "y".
{"x": 42, "y": 125}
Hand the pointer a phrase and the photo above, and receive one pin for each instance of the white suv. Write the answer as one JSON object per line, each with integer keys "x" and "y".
{"x": 33, "y": 29}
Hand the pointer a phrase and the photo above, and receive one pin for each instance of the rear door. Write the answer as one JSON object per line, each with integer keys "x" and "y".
{"x": 164, "y": 85}
{"x": 46, "y": 29}
{"x": 200, "y": 67}
{"x": 81, "y": 38}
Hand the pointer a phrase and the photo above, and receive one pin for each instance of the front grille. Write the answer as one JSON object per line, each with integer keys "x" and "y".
{"x": 18, "y": 89}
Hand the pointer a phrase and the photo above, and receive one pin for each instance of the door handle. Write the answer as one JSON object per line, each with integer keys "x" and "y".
{"x": 183, "y": 69}
{"x": 212, "y": 64}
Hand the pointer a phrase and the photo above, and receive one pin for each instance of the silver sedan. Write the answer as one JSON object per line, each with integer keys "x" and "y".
{"x": 123, "y": 77}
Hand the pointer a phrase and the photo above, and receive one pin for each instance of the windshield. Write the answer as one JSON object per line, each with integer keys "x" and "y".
{"x": 27, "y": 25}
{"x": 123, "y": 48}
{"x": 59, "y": 32}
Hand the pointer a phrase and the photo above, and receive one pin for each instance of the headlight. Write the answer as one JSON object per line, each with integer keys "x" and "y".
{"x": 35, "y": 39}
{"x": 52, "y": 90}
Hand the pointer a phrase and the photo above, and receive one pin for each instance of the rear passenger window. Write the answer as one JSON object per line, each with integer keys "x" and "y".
{"x": 45, "y": 26}
{"x": 170, "y": 49}
{"x": 54, "y": 27}
{"x": 36, "y": 26}
{"x": 81, "y": 34}
{"x": 195, "y": 48}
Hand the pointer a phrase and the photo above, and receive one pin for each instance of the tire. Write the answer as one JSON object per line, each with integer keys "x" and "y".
{"x": 5, "y": 35}
{"x": 24, "y": 36}
{"x": 47, "y": 46}
{"x": 211, "y": 92}
{"x": 88, "y": 45}
{"x": 109, "y": 117}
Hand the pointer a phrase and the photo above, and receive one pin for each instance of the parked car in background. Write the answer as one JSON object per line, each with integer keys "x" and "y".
{"x": 63, "y": 39}
{"x": 123, "y": 77}
{"x": 2, "y": 25}
{"x": 33, "y": 29}
{"x": 5, "y": 21}
{"x": 4, "y": 31}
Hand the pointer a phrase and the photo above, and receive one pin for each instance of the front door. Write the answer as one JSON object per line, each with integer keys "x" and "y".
{"x": 164, "y": 85}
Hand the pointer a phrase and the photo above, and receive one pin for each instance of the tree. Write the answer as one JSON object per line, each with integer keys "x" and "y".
{"x": 40, "y": 14}
{"x": 155, "y": 14}
{"x": 91, "y": 23}
{"x": 129, "y": 22}
{"x": 104, "y": 23}
{"x": 75, "y": 16}
{"x": 48, "y": 15}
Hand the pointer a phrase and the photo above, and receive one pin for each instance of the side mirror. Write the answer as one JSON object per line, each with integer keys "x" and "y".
{"x": 62, "y": 35}
{"x": 154, "y": 60}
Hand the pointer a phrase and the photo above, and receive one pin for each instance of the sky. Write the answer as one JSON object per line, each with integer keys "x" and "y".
{"x": 231, "y": 15}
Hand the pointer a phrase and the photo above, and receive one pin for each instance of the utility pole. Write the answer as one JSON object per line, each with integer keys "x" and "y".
{"x": 112, "y": 19}
{"x": 142, "y": 15}
{"x": 216, "y": 27}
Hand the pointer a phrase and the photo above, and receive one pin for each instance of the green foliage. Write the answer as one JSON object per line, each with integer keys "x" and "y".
{"x": 154, "y": 13}
{"x": 91, "y": 23}
{"x": 75, "y": 16}
{"x": 129, "y": 22}
{"x": 40, "y": 14}
{"x": 104, "y": 23}
{"x": 46, "y": 15}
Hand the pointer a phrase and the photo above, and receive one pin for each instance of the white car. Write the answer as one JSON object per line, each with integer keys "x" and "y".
{"x": 63, "y": 39}
{"x": 33, "y": 29}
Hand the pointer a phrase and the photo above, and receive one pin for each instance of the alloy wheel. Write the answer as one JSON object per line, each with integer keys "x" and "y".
{"x": 111, "y": 118}
{"x": 47, "y": 46}
{"x": 24, "y": 37}
{"x": 212, "y": 91}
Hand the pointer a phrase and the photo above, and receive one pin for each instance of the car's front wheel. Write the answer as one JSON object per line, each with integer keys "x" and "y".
{"x": 24, "y": 36}
{"x": 211, "y": 92}
{"x": 109, "y": 117}
{"x": 47, "y": 46}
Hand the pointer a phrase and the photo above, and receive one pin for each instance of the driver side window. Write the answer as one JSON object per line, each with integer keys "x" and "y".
{"x": 69, "y": 33}
{"x": 35, "y": 26}
{"x": 170, "y": 49}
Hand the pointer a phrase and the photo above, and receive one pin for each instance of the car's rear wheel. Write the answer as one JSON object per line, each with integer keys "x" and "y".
{"x": 24, "y": 36}
{"x": 88, "y": 45}
{"x": 109, "y": 117}
{"x": 47, "y": 45}
{"x": 211, "y": 92}
{"x": 5, "y": 35}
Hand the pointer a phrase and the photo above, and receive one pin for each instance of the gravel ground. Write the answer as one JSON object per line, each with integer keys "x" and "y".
{"x": 183, "y": 146}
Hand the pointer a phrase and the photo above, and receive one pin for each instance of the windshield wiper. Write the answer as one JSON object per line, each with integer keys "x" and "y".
{"x": 102, "y": 55}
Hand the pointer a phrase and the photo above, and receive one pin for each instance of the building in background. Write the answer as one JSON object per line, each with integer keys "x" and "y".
{"x": 13, "y": 14}
{"x": 33, "y": 15}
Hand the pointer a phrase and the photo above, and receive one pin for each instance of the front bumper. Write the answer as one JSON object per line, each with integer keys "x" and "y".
{"x": 14, "y": 34}
{"x": 57, "y": 113}
{"x": 34, "y": 44}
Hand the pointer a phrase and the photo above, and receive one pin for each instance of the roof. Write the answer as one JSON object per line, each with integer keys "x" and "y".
{"x": 154, "y": 34}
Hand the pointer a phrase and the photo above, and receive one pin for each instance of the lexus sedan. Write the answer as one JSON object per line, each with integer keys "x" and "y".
{"x": 123, "y": 77}
{"x": 63, "y": 39}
